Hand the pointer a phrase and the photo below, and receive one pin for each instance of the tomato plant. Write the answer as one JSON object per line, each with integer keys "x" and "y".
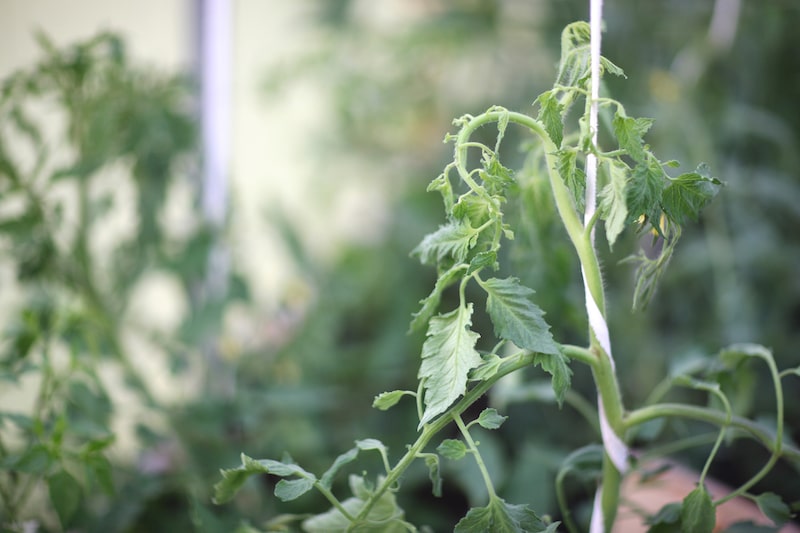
{"x": 623, "y": 187}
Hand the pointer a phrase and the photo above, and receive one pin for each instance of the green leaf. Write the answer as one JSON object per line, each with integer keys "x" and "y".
{"x": 452, "y": 449}
{"x": 488, "y": 368}
{"x": 481, "y": 260}
{"x": 431, "y": 303}
{"x": 491, "y": 419}
{"x": 447, "y": 357}
{"x": 644, "y": 191}
{"x": 453, "y": 239}
{"x": 774, "y": 508}
{"x": 65, "y": 493}
{"x": 289, "y": 489}
{"x": 99, "y": 470}
{"x": 501, "y": 517}
{"x": 432, "y": 462}
{"x": 234, "y": 478}
{"x": 347, "y": 457}
{"x": 688, "y": 194}
{"x": 496, "y": 178}
{"x": 613, "y": 204}
{"x": 386, "y": 400}
{"x": 551, "y": 115}
{"x": 557, "y": 365}
{"x": 385, "y": 516}
{"x": 442, "y": 184}
{"x": 573, "y": 177}
{"x": 697, "y": 512}
{"x": 473, "y": 210}
{"x": 630, "y": 132}
{"x": 515, "y": 317}
{"x": 669, "y": 515}
{"x": 36, "y": 460}
{"x": 734, "y": 354}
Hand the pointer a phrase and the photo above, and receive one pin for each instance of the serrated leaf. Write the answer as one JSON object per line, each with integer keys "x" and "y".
{"x": 65, "y": 494}
{"x": 487, "y": 368}
{"x": 452, "y": 449}
{"x": 774, "y": 508}
{"x": 491, "y": 419}
{"x": 688, "y": 194}
{"x": 289, "y": 489}
{"x": 385, "y": 516}
{"x": 501, "y": 517}
{"x": 613, "y": 201}
{"x": 481, "y": 260}
{"x": 573, "y": 177}
{"x": 630, "y": 134}
{"x": 557, "y": 365}
{"x": 644, "y": 191}
{"x": 442, "y": 184}
{"x": 453, "y": 239}
{"x": 386, "y": 400}
{"x": 551, "y": 115}
{"x": 447, "y": 357}
{"x": 611, "y": 68}
{"x": 473, "y": 210}
{"x": 431, "y": 303}
{"x": 233, "y": 479}
{"x": 515, "y": 317}
{"x": 434, "y": 473}
{"x": 697, "y": 512}
{"x": 496, "y": 178}
{"x": 347, "y": 457}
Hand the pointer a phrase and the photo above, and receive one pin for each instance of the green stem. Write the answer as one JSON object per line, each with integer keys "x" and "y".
{"x": 473, "y": 447}
{"x": 712, "y": 416}
{"x": 510, "y": 364}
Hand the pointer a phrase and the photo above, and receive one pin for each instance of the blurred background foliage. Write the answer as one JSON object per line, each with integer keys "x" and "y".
{"x": 300, "y": 378}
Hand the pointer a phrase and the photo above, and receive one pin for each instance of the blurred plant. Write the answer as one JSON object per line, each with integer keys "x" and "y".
{"x": 86, "y": 138}
{"x": 633, "y": 189}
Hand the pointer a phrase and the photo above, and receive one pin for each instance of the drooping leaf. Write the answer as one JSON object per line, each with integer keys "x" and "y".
{"x": 386, "y": 400}
{"x": 453, "y": 239}
{"x": 557, "y": 365}
{"x": 515, "y": 317}
{"x": 688, "y": 194}
{"x": 573, "y": 177}
{"x": 630, "y": 134}
{"x": 233, "y": 479}
{"x": 434, "y": 473}
{"x": 473, "y": 210}
{"x": 481, "y": 260}
{"x": 501, "y": 517}
{"x": 574, "y": 63}
{"x": 447, "y": 357}
{"x": 289, "y": 489}
{"x": 697, "y": 512}
{"x": 452, "y": 449}
{"x": 551, "y": 115}
{"x": 491, "y": 419}
{"x": 644, "y": 190}
{"x": 431, "y": 303}
{"x": 496, "y": 178}
{"x": 442, "y": 184}
{"x": 774, "y": 508}
{"x": 65, "y": 493}
{"x": 487, "y": 368}
{"x": 613, "y": 203}
{"x": 347, "y": 457}
{"x": 384, "y": 517}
